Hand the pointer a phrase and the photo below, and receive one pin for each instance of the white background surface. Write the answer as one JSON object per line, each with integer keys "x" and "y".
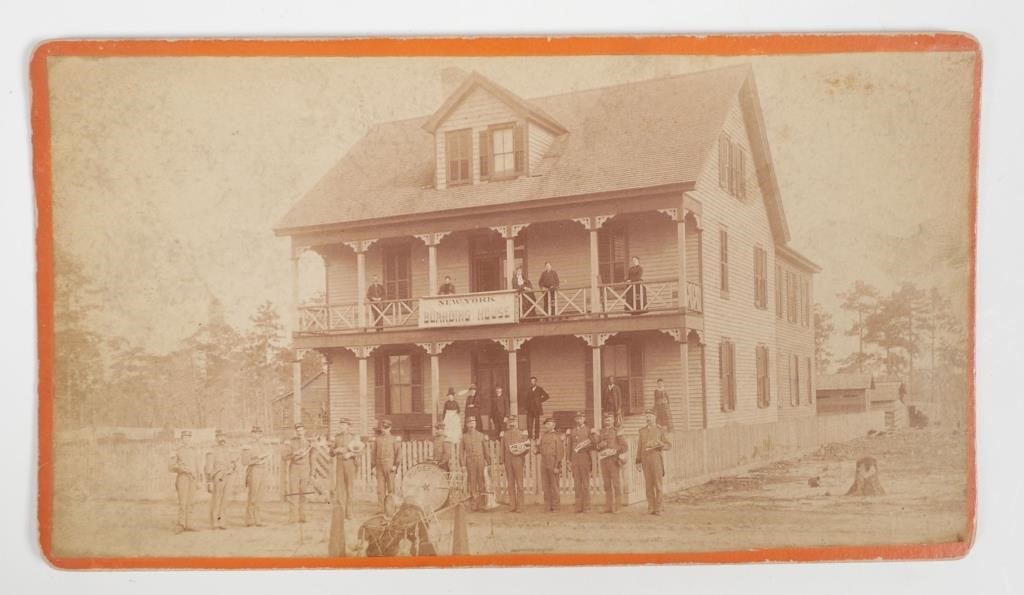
{"x": 993, "y": 566}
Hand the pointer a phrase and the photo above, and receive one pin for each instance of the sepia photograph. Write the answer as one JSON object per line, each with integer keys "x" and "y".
{"x": 461, "y": 308}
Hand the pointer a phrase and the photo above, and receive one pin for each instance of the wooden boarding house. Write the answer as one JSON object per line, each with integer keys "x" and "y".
{"x": 676, "y": 171}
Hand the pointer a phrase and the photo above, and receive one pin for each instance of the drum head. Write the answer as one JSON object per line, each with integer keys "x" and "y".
{"x": 426, "y": 485}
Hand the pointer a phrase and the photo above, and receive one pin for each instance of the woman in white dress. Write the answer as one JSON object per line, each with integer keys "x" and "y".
{"x": 451, "y": 418}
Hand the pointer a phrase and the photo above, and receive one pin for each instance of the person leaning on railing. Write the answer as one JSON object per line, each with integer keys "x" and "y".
{"x": 637, "y": 290}
{"x": 447, "y": 288}
{"x": 375, "y": 294}
{"x": 549, "y": 282}
{"x": 524, "y": 287}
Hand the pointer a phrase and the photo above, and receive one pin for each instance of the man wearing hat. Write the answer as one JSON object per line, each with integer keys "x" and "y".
{"x": 346, "y": 462}
{"x": 185, "y": 464}
{"x": 220, "y": 464}
{"x": 300, "y": 470}
{"x": 552, "y": 451}
{"x": 384, "y": 461}
{"x": 442, "y": 447}
{"x": 581, "y": 443}
{"x": 514, "y": 461}
{"x": 610, "y": 446}
{"x": 254, "y": 459}
{"x": 653, "y": 440}
{"x": 473, "y": 409}
{"x": 475, "y": 457}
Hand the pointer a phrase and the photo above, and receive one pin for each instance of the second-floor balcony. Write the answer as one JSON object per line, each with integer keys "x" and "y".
{"x": 504, "y": 307}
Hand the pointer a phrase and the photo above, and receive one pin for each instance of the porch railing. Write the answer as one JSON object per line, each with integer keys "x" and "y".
{"x": 391, "y": 313}
{"x": 566, "y": 302}
{"x": 657, "y": 294}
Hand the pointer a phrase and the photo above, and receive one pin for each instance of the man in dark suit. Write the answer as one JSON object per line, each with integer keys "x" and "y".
{"x": 535, "y": 397}
{"x": 611, "y": 401}
{"x": 499, "y": 409}
{"x": 375, "y": 295}
{"x": 549, "y": 283}
{"x": 473, "y": 408}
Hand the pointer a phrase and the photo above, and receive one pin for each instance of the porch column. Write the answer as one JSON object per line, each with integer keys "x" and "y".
{"x": 297, "y": 387}
{"x": 684, "y": 370}
{"x": 595, "y": 342}
{"x": 434, "y": 351}
{"x": 595, "y": 297}
{"x": 512, "y": 346}
{"x": 679, "y": 216}
{"x": 363, "y": 354}
{"x": 360, "y": 247}
{"x": 432, "y": 240}
{"x": 510, "y": 259}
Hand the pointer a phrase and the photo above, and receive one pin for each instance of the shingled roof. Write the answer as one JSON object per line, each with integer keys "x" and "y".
{"x": 620, "y": 138}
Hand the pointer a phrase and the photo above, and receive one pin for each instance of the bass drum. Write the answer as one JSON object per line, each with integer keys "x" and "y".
{"x": 426, "y": 485}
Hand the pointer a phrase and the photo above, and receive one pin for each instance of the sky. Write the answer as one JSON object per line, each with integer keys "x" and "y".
{"x": 169, "y": 173}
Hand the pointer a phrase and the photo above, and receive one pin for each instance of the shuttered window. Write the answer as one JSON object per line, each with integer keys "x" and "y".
{"x": 612, "y": 260}
{"x": 760, "y": 277}
{"x": 399, "y": 382}
{"x": 397, "y": 272}
{"x": 805, "y": 298}
{"x": 732, "y": 167}
{"x": 764, "y": 385}
{"x": 727, "y": 374}
{"x": 459, "y": 153}
{"x": 723, "y": 242}
{"x": 778, "y": 291}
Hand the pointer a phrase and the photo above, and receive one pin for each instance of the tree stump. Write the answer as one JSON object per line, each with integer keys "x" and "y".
{"x": 865, "y": 481}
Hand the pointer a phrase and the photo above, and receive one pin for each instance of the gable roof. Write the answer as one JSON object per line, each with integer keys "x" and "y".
{"x": 629, "y": 137}
{"x": 844, "y": 381}
{"x": 517, "y": 103}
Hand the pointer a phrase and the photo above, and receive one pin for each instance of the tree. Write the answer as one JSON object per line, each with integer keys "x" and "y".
{"x": 78, "y": 357}
{"x": 862, "y": 300}
{"x": 823, "y": 329}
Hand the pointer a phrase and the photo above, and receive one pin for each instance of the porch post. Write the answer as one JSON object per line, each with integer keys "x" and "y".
{"x": 432, "y": 267}
{"x": 512, "y": 346}
{"x": 510, "y": 261}
{"x": 361, "y": 284}
{"x": 434, "y": 351}
{"x": 684, "y": 303}
{"x": 595, "y": 354}
{"x": 363, "y": 354}
{"x": 684, "y": 369}
{"x": 297, "y": 387}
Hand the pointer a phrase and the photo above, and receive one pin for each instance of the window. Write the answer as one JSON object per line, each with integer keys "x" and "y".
{"x": 397, "y": 273}
{"x": 624, "y": 360}
{"x": 794, "y": 380}
{"x": 778, "y": 291}
{"x": 459, "y": 152}
{"x": 612, "y": 260}
{"x": 723, "y": 241}
{"x": 760, "y": 277}
{"x": 502, "y": 152}
{"x": 399, "y": 382}
{"x": 732, "y": 167}
{"x": 727, "y": 374}
{"x": 764, "y": 387}
{"x": 791, "y": 310}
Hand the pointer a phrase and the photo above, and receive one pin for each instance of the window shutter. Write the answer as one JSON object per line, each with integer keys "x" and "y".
{"x": 732, "y": 376}
{"x": 723, "y": 389}
{"x": 723, "y": 162}
{"x": 767, "y": 379}
{"x": 379, "y": 385}
{"x": 417, "y": 383}
{"x": 742, "y": 173}
{"x": 485, "y": 154}
{"x": 519, "y": 146}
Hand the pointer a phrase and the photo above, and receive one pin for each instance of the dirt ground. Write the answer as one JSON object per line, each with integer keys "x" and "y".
{"x": 922, "y": 471}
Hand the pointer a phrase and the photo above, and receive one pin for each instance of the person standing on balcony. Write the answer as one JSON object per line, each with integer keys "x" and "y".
{"x": 662, "y": 408}
{"x": 637, "y": 291}
{"x": 375, "y": 295}
{"x": 450, "y": 417}
{"x": 499, "y": 409}
{"x": 447, "y": 288}
{"x": 524, "y": 287}
{"x": 549, "y": 283}
{"x": 535, "y": 397}
{"x": 652, "y": 442}
{"x": 611, "y": 401}
{"x": 473, "y": 408}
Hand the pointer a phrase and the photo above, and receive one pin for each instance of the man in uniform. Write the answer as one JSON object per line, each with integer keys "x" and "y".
{"x": 535, "y": 397}
{"x": 442, "y": 448}
{"x": 254, "y": 459}
{"x": 499, "y": 410}
{"x": 345, "y": 464}
{"x": 475, "y": 457}
{"x": 552, "y": 451}
{"x": 611, "y": 401}
{"x": 581, "y": 443}
{"x": 219, "y": 466}
{"x": 375, "y": 295}
{"x": 549, "y": 283}
{"x": 300, "y": 470}
{"x": 653, "y": 440}
{"x": 386, "y": 454}
{"x": 185, "y": 465}
{"x": 610, "y": 439}
{"x": 473, "y": 408}
{"x": 514, "y": 463}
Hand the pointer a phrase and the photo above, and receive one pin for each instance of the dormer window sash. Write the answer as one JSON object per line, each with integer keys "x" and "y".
{"x": 458, "y": 146}
{"x": 502, "y": 151}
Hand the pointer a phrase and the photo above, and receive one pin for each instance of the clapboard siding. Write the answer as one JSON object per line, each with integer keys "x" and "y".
{"x": 340, "y": 265}
{"x": 559, "y": 365}
{"x": 734, "y": 317}
{"x": 566, "y": 245}
{"x": 540, "y": 141}
{"x": 453, "y": 260}
{"x": 343, "y": 387}
{"x": 794, "y": 338}
{"x": 695, "y": 381}
{"x": 477, "y": 111}
{"x": 662, "y": 360}
{"x": 652, "y": 238}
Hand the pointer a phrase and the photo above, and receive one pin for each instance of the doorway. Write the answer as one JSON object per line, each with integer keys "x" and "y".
{"x": 487, "y": 261}
{"x": 490, "y": 369}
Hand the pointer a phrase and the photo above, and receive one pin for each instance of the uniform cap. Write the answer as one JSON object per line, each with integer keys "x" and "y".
{"x": 299, "y": 425}
{"x": 512, "y": 418}
{"x": 550, "y": 419}
{"x": 186, "y": 433}
{"x": 581, "y": 414}
{"x": 218, "y": 433}
{"x": 385, "y": 423}
{"x": 345, "y": 420}
{"x": 257, "y": 430}
{"x": 648, "y": 411}
{"x": 471, "y": 420}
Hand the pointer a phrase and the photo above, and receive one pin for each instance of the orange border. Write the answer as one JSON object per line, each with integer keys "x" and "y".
{"x": 492, "y": 46}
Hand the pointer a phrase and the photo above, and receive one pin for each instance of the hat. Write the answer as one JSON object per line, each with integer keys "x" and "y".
{"x": 299, "y": 425}
{"x": 257, "y": 430}
{"x": 186, "y": 433}
{"x": 344, "y": 420}
{"x": 550, "y": 419}
{"x": 471, "y": 420}
{"x": 582, "y": 414}
{"x": 648, "y": 411}
{"x": 439, "y": 426}
{"x": 609, "y": 415}
{"x": 451, "y": 390}
{"x": 512, "y": 418}
{"x": 385, "y": 423}
{"x": 472, "y": 386}
{"x": 218, "y": 433}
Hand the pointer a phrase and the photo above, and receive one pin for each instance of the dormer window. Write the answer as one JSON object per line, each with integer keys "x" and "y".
{"x": 502, "y": 152}
{"x": 459, "y": 152}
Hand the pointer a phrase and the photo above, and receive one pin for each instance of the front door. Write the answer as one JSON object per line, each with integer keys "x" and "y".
{"x": 624, "y": 361}
{"x": 486, "y": 273}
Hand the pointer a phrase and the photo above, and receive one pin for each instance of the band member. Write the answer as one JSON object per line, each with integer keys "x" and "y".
{"x": 386, "y": 454}
{"x": 219, "y": 466}
{"x": 345, "y": 449}
{"x": 185, "y": 464}
{"x": 451, "y": 418}
{"x": 513, "y": 457}
{"x": 581, "y": 443}
{"x": 442, "y": 448}
{"x": 499, "y": 411}
{"x": 552, "y": 451}
{"x": 662, "y": 408}
{"x": 653, "y": 440}
{"x": 535, "y": 397}
{"x": 610, "y": 445}
{"x": 611, "y": 400}
{"x": 637, "y": 292}
{"x": 474, "y": 457}
{"x": 447, "y": 288}
{"x": 549, "y": 283}
{"x": 300, "y": 472}
{"x": 254, "y": 459}
{"x": 375, "y": 295}
{"x": 473, "y": 407}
